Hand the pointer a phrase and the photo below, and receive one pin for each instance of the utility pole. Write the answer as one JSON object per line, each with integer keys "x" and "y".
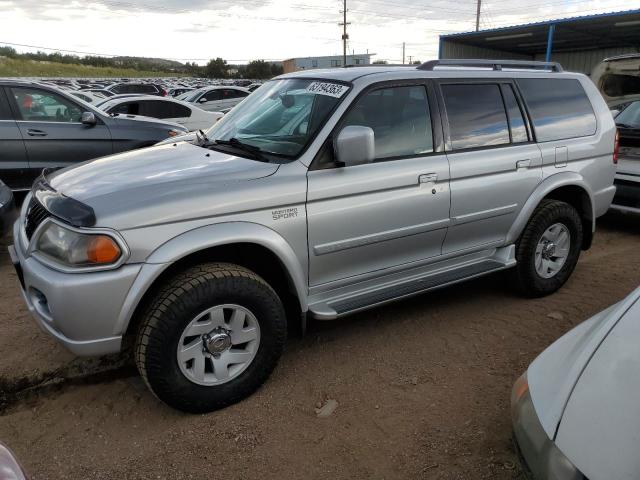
{"x": 478, "y": 15}
{"x": 345, "y": 36}
{"x": 403, "y": 51}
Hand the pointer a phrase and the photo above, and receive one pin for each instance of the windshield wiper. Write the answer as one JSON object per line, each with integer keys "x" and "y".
{"x": 252, "y": 150}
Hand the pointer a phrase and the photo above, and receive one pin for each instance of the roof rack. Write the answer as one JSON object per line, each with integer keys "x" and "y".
{"x": 494, "y": 64}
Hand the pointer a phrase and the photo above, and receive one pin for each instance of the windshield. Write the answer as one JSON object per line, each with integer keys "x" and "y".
{"x": 630, "y": 116}
{"x": 282, "y": 117}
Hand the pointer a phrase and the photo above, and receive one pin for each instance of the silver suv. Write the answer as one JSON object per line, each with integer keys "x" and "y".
{"x": 324, "y": 193}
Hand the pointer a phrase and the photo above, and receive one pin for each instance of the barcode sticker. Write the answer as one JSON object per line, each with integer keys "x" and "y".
{"x": 330, "y": 89}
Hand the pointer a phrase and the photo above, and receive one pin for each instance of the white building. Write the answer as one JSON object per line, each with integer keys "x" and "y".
{"x": 308, "y": 63}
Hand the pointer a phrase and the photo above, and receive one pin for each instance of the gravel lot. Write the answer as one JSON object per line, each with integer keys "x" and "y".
{"x": 422, "y": 388}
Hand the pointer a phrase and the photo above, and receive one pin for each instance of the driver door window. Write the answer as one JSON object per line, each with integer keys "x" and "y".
{"x": 41, "y": 106}
{"x": 399, "y": 118}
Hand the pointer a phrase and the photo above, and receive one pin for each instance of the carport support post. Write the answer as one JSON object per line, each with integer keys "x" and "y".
{"x": 552, "y": 29}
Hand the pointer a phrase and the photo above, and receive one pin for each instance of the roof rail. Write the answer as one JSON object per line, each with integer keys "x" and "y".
{"x": 494, "y": 64}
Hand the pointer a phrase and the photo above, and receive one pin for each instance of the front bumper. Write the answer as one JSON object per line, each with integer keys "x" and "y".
{"x": 80, "y": 310}
{"x": 539, "y": 452}
{"x": 627, "y": 198}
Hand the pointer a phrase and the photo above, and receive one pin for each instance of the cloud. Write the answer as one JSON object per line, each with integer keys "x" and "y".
{"x": 269, "y": 29}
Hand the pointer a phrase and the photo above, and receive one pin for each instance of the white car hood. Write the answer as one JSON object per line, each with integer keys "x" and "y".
{"x": 600, "y": 428}
{"x": 553, "y": 375}
{"x": 163, "y": 183}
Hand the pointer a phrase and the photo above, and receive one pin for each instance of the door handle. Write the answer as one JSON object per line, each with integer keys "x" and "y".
{"x": 36, "y": 133}
{"x": 523, "y": 163}
{"x": 428, "y": 178}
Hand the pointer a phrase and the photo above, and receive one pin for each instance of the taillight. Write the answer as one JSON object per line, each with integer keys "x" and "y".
{"x": 616, "y": 148}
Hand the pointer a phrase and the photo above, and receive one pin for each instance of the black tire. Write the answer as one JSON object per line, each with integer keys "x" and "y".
{"x": 182, "y": 299}
{"x": 526, "y": 279}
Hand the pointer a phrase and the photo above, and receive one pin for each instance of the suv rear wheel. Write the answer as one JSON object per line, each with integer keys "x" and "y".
{"x": 549, "y": 248}
{"x": 211, "y": 337}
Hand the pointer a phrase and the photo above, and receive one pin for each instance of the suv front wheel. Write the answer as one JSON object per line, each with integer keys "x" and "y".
{"x": 211, "y": 337}
{"x": 548, "y": 249}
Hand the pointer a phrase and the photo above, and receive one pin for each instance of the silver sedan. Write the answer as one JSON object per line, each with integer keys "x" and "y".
{"x": 576, "y": 411}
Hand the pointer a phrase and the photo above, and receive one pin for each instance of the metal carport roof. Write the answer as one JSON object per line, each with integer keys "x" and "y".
{"x": 601, "y": 31}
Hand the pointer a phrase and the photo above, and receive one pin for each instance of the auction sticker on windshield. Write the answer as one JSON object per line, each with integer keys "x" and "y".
{"x": 325, "y": 88}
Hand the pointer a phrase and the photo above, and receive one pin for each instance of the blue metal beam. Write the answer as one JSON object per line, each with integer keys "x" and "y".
{"x": 552, "y": 29}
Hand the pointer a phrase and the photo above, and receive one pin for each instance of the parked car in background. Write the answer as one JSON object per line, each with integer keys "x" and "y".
{"x": 214, "y": 99}
{"x": 186, "y": 114}
{"x": 10, "y": 468}
{"x": 45, "y": 127}
{"x": 101, "y": 91}
{"x": 324, "y": 193}
{"x": 87, "y": 96}
{"x": 7, "y": 209}
{"x": 254, "y": 86}
{"x": 618, "y": 79}
{"x": 627, "y": 180}
{"x": 174, "y": 92}
{"x": 575, "y": 411}
{"x": 144, "y": 88}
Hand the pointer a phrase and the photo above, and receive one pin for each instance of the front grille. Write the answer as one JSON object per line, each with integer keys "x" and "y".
{"x": 36, "y": 214}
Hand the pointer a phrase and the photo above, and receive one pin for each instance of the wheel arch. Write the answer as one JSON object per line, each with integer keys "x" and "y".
{"x": 250, "y": 245}
{"x": 568, "y": 187}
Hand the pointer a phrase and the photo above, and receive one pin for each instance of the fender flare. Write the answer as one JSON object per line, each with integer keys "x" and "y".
{"x": 205, "y": 237}
{"x": 549, "y": 184}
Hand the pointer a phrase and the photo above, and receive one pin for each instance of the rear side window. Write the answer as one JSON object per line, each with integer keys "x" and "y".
{"x": 476, "y": 114}
{"x": 5, "y": 113}
{"x": 156, "y": 109}
{"x": 180, "y": 111}
{"x": 399, "y": 118}
{"x": 559, "y": 108}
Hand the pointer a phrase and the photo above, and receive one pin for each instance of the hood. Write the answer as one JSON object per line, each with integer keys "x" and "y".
{"x": 553, "y": 375}
{"x": 159, "y": 178}
{"x": 600, "y": 428}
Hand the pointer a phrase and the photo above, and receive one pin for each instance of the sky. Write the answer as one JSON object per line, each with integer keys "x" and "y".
{"x": 243, "y": 30}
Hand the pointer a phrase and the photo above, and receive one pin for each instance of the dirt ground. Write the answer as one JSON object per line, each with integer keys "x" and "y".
{"x": 422, "y": 388}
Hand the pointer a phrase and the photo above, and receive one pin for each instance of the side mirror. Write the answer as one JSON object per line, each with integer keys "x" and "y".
{"x": 614, "y": 113}
{"x": 202, "y": 100}
{"x": 89, "y": 119}
{"x": 355, "y": 145}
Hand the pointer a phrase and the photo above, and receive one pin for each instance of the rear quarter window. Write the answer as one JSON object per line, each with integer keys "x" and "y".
{"x": 559, "y": 108}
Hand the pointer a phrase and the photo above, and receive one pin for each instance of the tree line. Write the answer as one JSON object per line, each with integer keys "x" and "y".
{"x": 216, "y": 68}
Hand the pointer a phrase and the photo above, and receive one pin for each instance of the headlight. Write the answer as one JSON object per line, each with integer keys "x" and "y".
{"x": 541, "y": 454}
{"x": 76, "y": 249}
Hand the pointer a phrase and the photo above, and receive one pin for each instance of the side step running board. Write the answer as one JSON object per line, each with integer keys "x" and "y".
{"x": 340, "y": 307}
